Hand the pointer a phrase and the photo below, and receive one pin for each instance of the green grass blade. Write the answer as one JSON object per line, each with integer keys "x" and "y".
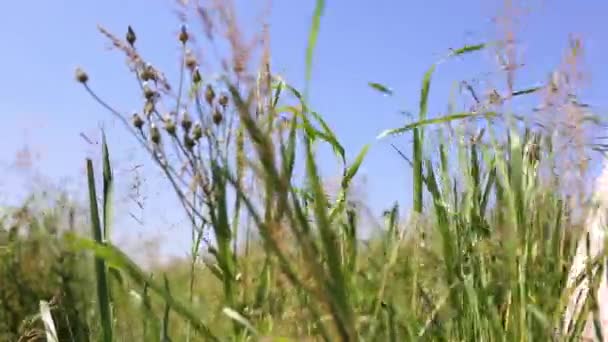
{"x": 108, "y": 190}
{"x": 116, "y": 258}
{"x": 103, "y": 296}
{"x": 426, "y": 122}
{"x": 468, "y": 49}
{"x": 381, "y": 88}
{"x": 312, "y": 40}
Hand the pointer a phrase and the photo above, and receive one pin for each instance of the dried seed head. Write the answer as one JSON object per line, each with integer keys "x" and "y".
{"x": 186, "y": 121}
{"x": 149, "y": 92}
{"x": 197, "y": 131}
{"x": 188, "y": 142}
{"x": 494, "y": 97}
{"x": 183, "y": 34}
{"x": 217, "y": 117}
{"x": 190, "y": 61}
{"x": 131, "y": 38}
{"x": 81, "y": 76}
{"x": 137, "y": 121}
{"x": 148, "y": 73}
{"x": 209, "y": 94}
{"x": 196, "y": 76}
{"x": 154, "y": 134}
{"x": 148, "y": 108}
{"x": 169, "y": 125}
{"x": 224, "y": 100}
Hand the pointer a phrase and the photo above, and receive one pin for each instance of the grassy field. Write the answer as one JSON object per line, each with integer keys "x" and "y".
{"x": 483, "y": 255}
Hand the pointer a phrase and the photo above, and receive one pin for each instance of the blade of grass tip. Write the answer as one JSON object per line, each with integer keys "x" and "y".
{"x": 526, "y": 91}
{"x": 419, "y": 140}
{"x": 330, "y": 137}
{"x": 108, "y": 189}
{"x": 47, "y": 320}
{"x": 381, "y": 88}
{"x": 100, "y": 267}
{"x": 312, "y": 41}
{"x": 349, "y": 174}
{"x": 468, "y": 49}
{"x": 116, "y": 258}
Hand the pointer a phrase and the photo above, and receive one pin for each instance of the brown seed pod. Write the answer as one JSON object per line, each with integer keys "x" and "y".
{"x": 188, "y": 142}
{"x": 148, "y": 73}
{"x": 81, "y": 76}
{"x": 190, "y": 61}
{"x": 149, "y": 92}
{"x": 137, "y": 121}
{"x": 209, "y": 94}
{"x": 154, "y": 134}
{"x": 197, "y": 131}
{"x": 217, "y": 117}
{"x": 196, "y": 76}
{"x": 186, "y": 122}
{"x": 183, "y": 34}
{"x": 148, "y": 108}
{"x": 131, "y": 38}
{"x": 223, "y": 100}
{"x": 169, "y": 125}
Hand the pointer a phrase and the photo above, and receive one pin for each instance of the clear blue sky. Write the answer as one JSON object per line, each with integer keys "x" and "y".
{"x": 391, "y": 42}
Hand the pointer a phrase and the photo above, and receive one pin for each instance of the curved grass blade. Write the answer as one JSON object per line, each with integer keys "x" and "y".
{"x": 440, "y": 120}
{"x": 115, "y": 257}
{"x": 312, "y": 40}
{"x": 237, "y": 317}
{"x": 468, "y": 49}
{"x": 381, "y": 88}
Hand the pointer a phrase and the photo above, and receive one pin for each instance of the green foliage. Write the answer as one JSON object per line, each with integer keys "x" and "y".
{"x": 485, "y": 258}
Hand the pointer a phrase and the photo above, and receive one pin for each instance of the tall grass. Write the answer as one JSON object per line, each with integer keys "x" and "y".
{"x": 485, "y": 257}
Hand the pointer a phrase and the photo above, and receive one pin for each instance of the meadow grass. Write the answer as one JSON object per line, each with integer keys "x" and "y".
{"x": 484, "y": 255}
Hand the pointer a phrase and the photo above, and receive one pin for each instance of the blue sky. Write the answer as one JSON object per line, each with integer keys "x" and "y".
{"x": 391, "y": 42}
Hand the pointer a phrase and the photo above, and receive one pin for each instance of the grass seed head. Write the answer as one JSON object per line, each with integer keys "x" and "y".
{"x": 147, "y": 73}
{"x": 81, "y": 76}
{"x": 223, "y": 100}
{"x": 186, "y": 121}
{"x": 154, "y": 134}
{"x": 209, "y": 94}
{"x": 149, "y": 92}
{"x": 169, "y": 125}
{"x": 197, "y": 131}
{"x": 188, "y": 142}
{"x": 217, "y": 117}
{"x": 190, "y": 61}
{"x": 196, "y": 76}
{"x": 131, "y": 38}
{"x": 137, "y": 121}
{"x": 183, "y": 34}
